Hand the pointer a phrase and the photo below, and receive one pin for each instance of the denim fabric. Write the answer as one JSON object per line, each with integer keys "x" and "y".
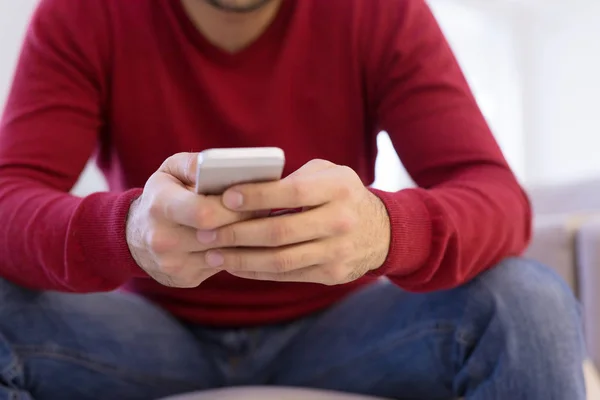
{"x": 512, "y": 333}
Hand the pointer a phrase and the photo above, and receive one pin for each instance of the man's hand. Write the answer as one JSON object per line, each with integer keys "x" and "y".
{"x": 342, "y": 233}
{"x": 169, "y": 225}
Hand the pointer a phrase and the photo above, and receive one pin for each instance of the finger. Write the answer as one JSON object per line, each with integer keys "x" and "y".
{"x": 305, "y": 275}
{"x": 310, "y": 190}
{"x": 234, "y": 197}
{"x": 181, "y": 166}
{"x": 314, "y": 224}
{"x": 183, "y": 282}
{"x": 177, "y": 240}
{"x": 312, "y": 166}
{"x": 326, "y": 274}
{"x": 189, "y": 274}
{"x": 178, "y": 204}
{"x": 181, "y": 206}
{"x": 274, "y": 260}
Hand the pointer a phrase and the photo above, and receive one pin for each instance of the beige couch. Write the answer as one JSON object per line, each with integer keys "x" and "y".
{"x": 567, "y": 238}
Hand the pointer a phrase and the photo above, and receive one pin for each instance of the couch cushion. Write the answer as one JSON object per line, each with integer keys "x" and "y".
{"x": 573, "y": 197}
{"x": 553, "y": 244}
{"x": 588, "y": 257}
{"x": 269, "y": 393}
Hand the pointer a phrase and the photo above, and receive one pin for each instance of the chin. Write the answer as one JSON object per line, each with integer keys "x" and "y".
{"x": 238, "y": 6}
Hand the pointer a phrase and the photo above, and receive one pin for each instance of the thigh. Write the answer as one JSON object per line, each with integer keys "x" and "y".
{"x": 513, "y": 332}
{"x": 381, "y": 341}
{"x": 96, "y": 346}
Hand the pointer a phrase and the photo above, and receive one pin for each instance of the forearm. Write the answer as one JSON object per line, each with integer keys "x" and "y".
{"x": 446, "y": 235}
{"x": 54, "y": 241}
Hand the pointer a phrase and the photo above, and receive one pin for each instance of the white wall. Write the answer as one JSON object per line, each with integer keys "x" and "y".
{"x": 14, "y": 15}
{"x": 535, "y": 69}
{"x": 564, "y": 100}
{"x": 484, "y": 45}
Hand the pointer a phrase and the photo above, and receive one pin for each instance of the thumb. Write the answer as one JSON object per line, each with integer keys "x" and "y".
{"x": 181, "y": 166}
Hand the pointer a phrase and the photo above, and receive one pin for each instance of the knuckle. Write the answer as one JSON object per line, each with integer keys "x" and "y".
{"x": 170, "y": 267}
{"x": 158, "y": 209}
{"x": 300, "y": 191}
{"x": 237, "y": 261}
{"x": 278, "y": 233}
{"x": 187, "y": 273}
{"x": 347, "y": 171}
{"x": 152, "y": 182}
{"x": 161, "y": 206}
{"x": 282, "y": 262}
{"x": 228, "y": 237}
{"x": 181, "y": 165}
{"x": 319, "y": 162}
{"x": 189, "y": 165}
{"x": 344, "y": 191}
{"x": 345, "y": 222}
{"x": 169, "y": 160}
{"x": 336, "y": 274}
{"x": 347, "y": 188}
{"x": 205, "y": 218}
{"x": 158, "y": 241}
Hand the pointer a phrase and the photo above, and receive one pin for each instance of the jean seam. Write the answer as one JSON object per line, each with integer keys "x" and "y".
{"x": 439, "y": 328}
{"x": 465, "y": 337}
{"x": 74, "y": 357}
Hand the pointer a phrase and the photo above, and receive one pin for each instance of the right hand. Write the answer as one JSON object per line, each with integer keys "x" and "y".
{"x": 167, "y": 223}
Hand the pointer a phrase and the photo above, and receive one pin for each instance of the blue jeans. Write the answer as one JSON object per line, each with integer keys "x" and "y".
{"x": 512, "y": 333}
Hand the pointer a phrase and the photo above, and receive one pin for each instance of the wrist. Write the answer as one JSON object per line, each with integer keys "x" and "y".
{"x": 132, "y": 231}
{"x": 382, "y": 227}
{"x": 411, "y": 227}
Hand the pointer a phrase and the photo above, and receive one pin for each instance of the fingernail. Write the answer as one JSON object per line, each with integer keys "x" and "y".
{"x": 214, "y": 259}
{"x": 206, "y": 237}
{"x": 233, "y": 199}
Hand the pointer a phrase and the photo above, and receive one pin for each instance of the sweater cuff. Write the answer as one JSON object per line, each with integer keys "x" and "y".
{"x": 411, "y": 232}
{"x": 101, "y": 234}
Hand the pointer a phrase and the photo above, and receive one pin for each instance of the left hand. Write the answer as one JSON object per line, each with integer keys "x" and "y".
{"x": 343, "y": 232}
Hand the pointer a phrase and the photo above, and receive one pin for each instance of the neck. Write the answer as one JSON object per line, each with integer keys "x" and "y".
{"x": 229, "y": 31}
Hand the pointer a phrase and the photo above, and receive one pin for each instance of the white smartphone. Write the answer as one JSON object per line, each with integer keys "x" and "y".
{"x": 219, "y": 169}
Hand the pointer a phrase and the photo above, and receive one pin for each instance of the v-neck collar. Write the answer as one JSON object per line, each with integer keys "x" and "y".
{"x": 218, "y": 54}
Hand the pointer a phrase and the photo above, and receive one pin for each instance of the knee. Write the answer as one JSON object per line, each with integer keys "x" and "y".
{"x": 527, "y": 293}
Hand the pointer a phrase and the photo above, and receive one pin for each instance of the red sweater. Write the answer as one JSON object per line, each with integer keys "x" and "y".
{"x": 134, "y": 82}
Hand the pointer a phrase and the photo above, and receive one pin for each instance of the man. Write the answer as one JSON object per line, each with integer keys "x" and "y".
{"x": 217, "y": 295}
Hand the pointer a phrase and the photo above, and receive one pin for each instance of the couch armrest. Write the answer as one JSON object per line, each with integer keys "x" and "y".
{"x": 553, "y": 244}
{"x": 588, "y": 255}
